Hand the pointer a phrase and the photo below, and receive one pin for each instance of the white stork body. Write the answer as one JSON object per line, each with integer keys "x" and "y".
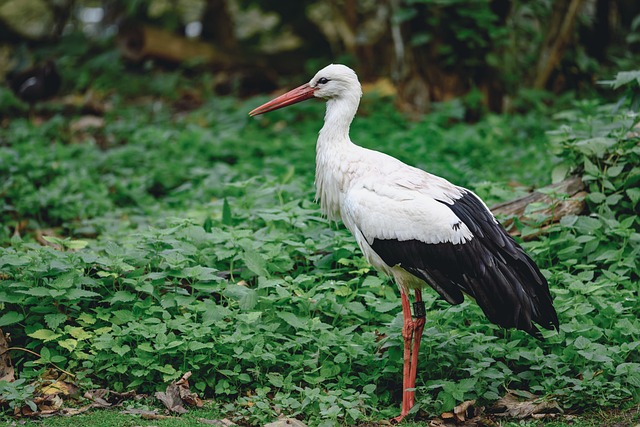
{"x": 378, "y": 197}
{"x": 416, "y": 227}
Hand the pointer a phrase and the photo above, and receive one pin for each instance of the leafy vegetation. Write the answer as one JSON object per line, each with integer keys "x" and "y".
{"x": 165, "y": 241}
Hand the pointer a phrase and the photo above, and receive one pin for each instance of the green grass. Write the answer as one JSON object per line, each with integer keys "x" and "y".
{"x": 115, "y": 418}
{"x": 190, "y": 241}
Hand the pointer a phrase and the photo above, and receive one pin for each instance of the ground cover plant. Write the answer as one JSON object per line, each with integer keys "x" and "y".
{"x": 163, "y": 241}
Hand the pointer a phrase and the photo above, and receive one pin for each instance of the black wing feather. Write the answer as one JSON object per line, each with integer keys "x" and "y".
{"x": 491, "y": 267}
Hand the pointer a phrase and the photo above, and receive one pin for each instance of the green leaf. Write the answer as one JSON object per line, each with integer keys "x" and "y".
{"x": 165, "y": 369}
{"x": 122, "y": 316}
{"x": 146, "y": 346}
{"x": 44, "y": 335}
{"x": 121, "y": 350}
{"x": 11, "y": 318}
{"x": 14, "y": 260}
{"x": 54, "y": 240}
{"x": 204, "y": 274}
{"x": 76, "y": 294}
{"x": 596, "y": 197}
{"x": 78, "y": 333}
{"x": 634, "y": 194}
{"x": 595, "y": 146}
{"x": 55, "y": 320}
{"x": 227, "y": 218}
{"x": 369, "y": 388}
{"x": 275, "y": 379}
{"x": 247, "y": 298}
{"x": 342, "y": 291}
{"x": 250, "y": 317}
{"x": 385, "y": 306}
{"x": 372, "y": 281}
{"x": 626, "y": 77}
{"x": 614, "y": 199}
{"x": 291, "y": 319}
{"x": 587, "y": 224}
{"x": 45, "y": 354}
{"x": 581, "y": 343}
{"x": 75, "y": 244}
{"x": 590, "y": 168}
{"x": 255, "y": 262}
{"x": 595, "y": 356}
{"x": 614, "y": 171}
{"x": 340, "y": 358}
{"x": 122, "y": 296}
{"x": 560, "y": 172}
{"x": 87, "y": 318}
{"x": 69, "y": 344}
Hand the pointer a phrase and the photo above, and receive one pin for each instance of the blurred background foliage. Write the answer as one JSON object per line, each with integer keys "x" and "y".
{"x": 485, "y": 52}
{"x": 148, "y": 226}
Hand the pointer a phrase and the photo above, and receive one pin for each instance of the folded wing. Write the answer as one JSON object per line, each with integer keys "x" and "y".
{"x": 446, "y": 236}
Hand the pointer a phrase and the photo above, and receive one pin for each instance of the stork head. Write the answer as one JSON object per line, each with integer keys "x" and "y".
{"x": 333, "y": 82}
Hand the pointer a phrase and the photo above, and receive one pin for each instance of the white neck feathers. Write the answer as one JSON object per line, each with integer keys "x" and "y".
{"x": 333, "y": 153}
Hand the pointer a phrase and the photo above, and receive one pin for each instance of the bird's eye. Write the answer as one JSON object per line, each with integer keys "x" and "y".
{"x": 323, "y": 80}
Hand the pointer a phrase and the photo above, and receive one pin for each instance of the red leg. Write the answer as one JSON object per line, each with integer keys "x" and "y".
{"x": 412, "y": 333}
{"x": 407, "y": 334}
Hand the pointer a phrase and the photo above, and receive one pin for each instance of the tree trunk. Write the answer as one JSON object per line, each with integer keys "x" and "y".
{"x": 557, "y": 38}
{"x": 61, "y": 13}
{"x": 597, "y": 40}
{"x": 430, "y": 74}
{"x": 217, "y": 25}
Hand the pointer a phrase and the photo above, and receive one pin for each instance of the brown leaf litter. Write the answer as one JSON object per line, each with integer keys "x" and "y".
{"x": 466, "y": 414}
{"x": 515, "y": 404}
{"x": 178, "y": 394}
{"x": 522, "y": 404}
{"x": 53, "y": 390}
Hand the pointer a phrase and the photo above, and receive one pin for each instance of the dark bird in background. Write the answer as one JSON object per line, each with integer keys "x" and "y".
{"x": 36, "y": 84}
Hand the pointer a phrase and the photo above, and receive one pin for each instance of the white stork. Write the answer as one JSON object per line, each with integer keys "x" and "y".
{"x": 416, "y": 227}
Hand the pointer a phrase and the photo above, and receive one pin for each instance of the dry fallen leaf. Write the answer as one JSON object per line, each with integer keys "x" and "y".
{"x": 59, "y": 387}
{"x": 103, "y": 397}
{"x": 529, "y": 405}
{"x": 46, "y": 405}
{"x": 465, "y": 414}
{"x": 465, "y": 410}
{"x": 177, "y": 394}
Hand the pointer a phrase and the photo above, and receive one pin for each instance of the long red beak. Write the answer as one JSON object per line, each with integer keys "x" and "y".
{"x": 293, "y": 96}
